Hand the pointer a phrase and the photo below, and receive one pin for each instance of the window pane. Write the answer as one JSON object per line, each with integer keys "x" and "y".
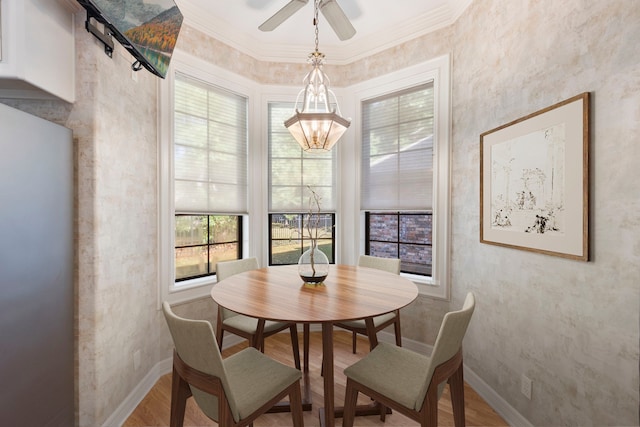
{"x": 415, "y": 229}
{"x": 321, "y": 226}
{"x": 191, "y": 230}
{"x": 223, "y": 229}
{"x": 416, "y": 259}
{"x": 222, "y": 252}
{"x": 191, "y": 262}
{"x": 384, "y": 250}
{"x": 326, "y": 246}
{"x": 383, "y": 227}
{"x": 285, "y": 252}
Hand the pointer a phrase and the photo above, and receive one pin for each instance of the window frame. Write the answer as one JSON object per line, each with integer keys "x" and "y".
{"x": 186, "y": 290}
{"x": 438, "y": 70}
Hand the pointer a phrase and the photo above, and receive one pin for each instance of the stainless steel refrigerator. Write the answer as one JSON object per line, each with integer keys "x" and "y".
{"x": 36, "y": 271}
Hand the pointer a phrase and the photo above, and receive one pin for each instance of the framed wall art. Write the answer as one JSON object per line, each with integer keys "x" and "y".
{"x": 534, "y": 181}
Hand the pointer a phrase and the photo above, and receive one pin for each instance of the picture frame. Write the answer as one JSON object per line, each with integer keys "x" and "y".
{"x": 534, "y": 181}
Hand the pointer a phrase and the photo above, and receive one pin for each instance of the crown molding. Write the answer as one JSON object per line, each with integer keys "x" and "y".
{"x": 337, "y": 54}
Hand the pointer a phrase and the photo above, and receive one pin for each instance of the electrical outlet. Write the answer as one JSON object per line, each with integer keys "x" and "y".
{"x": 525, "y": 386}
{"x": 136, "y": 360}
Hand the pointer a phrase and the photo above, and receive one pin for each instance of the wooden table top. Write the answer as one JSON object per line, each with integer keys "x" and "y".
{"x": 349, "y": 292}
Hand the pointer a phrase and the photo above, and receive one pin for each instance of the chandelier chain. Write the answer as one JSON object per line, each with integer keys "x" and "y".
{"x": 315, "y": 20}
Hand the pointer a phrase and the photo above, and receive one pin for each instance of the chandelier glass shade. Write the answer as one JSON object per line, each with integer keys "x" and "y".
{"x": 317, "y": 124}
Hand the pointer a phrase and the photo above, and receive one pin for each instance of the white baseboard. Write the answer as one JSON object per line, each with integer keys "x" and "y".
{"x": 122, "y": 412}
{"x": 129, "y": 404}
{"x": 493, "y": 399}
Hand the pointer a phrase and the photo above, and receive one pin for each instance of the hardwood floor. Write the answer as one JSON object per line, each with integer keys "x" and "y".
{"x": 155, "y": 407}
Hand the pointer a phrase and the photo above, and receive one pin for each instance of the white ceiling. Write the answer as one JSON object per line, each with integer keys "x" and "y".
{"x": 379, "y": 25}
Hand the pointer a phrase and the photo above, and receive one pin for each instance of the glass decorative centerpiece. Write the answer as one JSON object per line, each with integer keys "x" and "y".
{"x": 313, "y": 265}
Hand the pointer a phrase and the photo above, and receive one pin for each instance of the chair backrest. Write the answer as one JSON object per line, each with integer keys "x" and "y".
{"x": 196, "y": 345}
{"x": 448, "y": 342}
{"x": 226, "y": 269}
{"x": 392, "y": 265}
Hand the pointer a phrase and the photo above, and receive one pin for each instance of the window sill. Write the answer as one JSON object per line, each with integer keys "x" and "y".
{"x": 190, "y": 290}
{"x": 427, "y": 286}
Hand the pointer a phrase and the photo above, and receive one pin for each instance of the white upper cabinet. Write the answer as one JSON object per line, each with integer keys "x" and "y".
{"x": 37, "y": 49}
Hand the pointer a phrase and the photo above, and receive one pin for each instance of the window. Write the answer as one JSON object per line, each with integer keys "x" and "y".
{"x": 210, "y": 175}
{"x": 203, "y": 175}
{"x": 404, "y": 171}
{"x": 291, "y": 172}
{"x": 397, "y": 173}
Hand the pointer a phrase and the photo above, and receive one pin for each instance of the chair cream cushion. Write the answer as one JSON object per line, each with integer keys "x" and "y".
{"x": 250, "y": 324}
{"x": 378, "y": 320}
{"x": 393, "y": 371}
{"x": 255, "y": 379}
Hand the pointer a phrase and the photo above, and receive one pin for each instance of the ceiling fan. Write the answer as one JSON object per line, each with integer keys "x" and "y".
{"x": 331, "y": 10}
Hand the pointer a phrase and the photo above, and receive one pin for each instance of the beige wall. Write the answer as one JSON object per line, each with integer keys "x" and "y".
{"x": 572, "y": 327}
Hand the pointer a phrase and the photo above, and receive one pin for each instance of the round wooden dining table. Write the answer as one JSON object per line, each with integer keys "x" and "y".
{"x": 348, "y": 293}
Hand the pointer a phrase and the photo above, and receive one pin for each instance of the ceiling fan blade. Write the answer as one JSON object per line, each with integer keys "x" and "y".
{"x": 282, "y": 15}
{"x": 337, "y": 19}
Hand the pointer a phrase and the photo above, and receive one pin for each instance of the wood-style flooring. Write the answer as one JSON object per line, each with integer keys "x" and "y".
{"x": 155, "y": 407}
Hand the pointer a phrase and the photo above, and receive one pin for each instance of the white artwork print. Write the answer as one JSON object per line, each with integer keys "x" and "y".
{"x": 528, "y": 182}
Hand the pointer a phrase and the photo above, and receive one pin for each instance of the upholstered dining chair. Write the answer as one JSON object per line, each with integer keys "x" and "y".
{"x": 412, "y": 383}
{"x": 245, "y": 326}
{"x": 232, "y": 392}
{"x": 391, "y": 265}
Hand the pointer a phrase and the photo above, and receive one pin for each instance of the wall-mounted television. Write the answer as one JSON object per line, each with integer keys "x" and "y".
{"x": 148, "y": 29}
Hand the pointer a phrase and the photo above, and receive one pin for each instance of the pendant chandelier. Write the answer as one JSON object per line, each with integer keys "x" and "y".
{"x": 316, "y": 125}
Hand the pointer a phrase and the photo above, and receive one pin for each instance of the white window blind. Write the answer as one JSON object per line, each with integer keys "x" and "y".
{"x": 210, "y": 148}
{"x": 292, "y": 170}
{"x": 397, "y": 150}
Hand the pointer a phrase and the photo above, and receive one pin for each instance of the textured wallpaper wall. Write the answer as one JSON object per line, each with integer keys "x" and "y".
{"x": 572, "y": 327}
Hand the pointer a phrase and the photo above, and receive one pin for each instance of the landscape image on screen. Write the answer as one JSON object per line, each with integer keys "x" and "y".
{"x": 151, "y": 26}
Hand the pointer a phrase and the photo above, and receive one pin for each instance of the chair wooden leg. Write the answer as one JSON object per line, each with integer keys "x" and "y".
{"x": 383, "y": 412}
{"x": 350, "y": 401}
{"x": 305, "y": 345}
{"x": 429, "y": 412}
{"x": 219, "y": 330}
{"x": 180, "y": 392}
{"x": 354, "y": 341}
{"x": 397, "y": 330}
{"x": 456, "y": 388}
{"x": 295, "y": 402}
{"x": 295, "y": 345}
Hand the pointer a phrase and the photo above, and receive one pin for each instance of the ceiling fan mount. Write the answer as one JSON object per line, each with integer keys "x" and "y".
{"x": 330, "y": 9}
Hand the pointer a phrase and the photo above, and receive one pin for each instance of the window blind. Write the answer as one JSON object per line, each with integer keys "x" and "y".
{"x": 397, "y": 150}
{"x": 210, "y": 148}
{"x": 292, "y": 170}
